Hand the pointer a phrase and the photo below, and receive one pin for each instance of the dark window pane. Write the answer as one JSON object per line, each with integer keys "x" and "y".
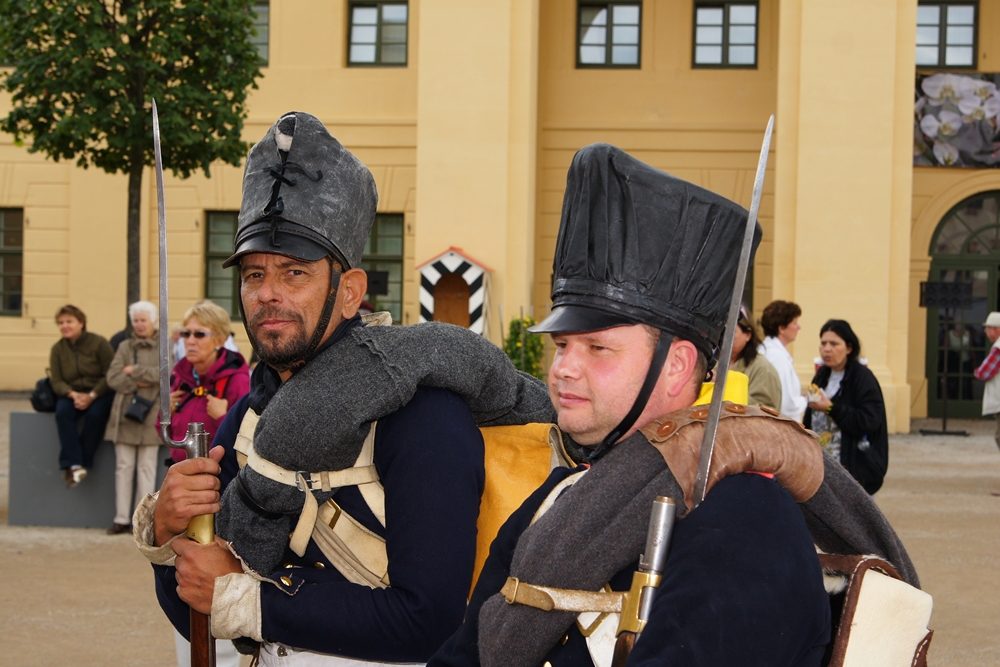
{"x": 11, "y": 239}
{"x": 593, "y": 16}
{"x": 222, "y": 223}
{"x": 261, "y": 33}
{"x": 11, "y": 219}
{"x": 394, "y": 34}
{"x": 220, "y": 243}
{"x": 394, "y": 53}
{"x": 11, "y": 261}
{"x": 12, "y": 283}
{"x": 390, "y": 225}
{"x": 12, "y": 264}
{"x": 390, "y": 246}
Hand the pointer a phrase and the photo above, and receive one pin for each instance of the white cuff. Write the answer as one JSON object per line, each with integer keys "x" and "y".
{"x": 236, "y": 607}
{"x": 145, "y": 535}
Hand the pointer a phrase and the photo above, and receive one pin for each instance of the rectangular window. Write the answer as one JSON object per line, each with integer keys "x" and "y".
{"x": 947, "y": 34}
{"x": 11, "y": 260}
{"x": 262, "y": 29}
{"x": 383, "y": 260}
{"x": 608, "y": 34}
{"x": 725, "y": 34}
{"x": 221, "y": 285}
{"x": 378, "y": 34}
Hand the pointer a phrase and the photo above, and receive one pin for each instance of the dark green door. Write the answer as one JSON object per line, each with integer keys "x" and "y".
{"x": 966, "y": 248}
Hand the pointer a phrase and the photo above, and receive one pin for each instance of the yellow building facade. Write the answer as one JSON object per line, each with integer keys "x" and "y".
{"x": 469, "y": 142}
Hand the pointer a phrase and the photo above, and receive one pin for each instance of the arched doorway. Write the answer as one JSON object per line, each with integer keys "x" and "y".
{"x": 965, "y": 248}
{"x": 451, "y": 300}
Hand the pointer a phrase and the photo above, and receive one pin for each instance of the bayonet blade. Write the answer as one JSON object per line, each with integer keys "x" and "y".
{"x": 715, "y": 410}
{"x": 161, "y": 216}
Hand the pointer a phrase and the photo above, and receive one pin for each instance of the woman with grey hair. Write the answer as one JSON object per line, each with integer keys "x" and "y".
{"x": 135, "y": 376}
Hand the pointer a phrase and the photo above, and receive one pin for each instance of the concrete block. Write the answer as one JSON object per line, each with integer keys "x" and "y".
{"x": 38, "y": 493}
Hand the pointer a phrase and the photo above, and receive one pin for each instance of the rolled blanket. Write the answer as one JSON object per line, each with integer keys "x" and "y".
{"x": 319, "y": 418}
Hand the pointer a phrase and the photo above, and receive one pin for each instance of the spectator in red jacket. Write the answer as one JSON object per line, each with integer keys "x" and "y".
{"x": 210, "y": 378}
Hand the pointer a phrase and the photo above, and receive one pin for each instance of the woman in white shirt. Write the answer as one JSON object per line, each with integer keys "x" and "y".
{"x": 780, "y": 322}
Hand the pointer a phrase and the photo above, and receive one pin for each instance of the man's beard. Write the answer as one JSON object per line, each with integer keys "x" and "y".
{"x": 280, "y": 351}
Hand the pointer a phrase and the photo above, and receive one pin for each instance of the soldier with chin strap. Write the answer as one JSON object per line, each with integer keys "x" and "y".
{"x": 644, "y": 270}
{"x": 340, "y": 406}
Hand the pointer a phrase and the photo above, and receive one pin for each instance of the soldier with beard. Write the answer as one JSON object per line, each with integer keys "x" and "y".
{"x": 351, "y": 428}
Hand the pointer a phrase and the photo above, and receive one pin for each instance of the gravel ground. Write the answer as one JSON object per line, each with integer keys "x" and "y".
{"x": 80, "y": 597}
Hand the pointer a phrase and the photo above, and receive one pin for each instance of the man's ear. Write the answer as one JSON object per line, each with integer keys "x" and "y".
{"x": 353, "y": 287}
{"x": 681, "y": 365}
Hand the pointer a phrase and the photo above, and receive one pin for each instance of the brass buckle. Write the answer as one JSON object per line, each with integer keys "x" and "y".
{"x": 510, "y": 598}
{"x": 629, "y": 621}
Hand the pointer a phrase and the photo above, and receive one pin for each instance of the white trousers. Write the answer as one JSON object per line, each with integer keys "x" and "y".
{"x": 279, "y": 655}
{"x": 136, "y": 463}
{"x": 226, "y": 654}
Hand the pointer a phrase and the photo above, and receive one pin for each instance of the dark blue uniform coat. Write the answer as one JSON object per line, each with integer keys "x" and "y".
{"x": 742, "y": 586}
{"x": 429, "y": 457}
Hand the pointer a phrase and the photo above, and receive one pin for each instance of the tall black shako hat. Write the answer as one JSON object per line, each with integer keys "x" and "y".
{"x": 307, "y": 197}
{"x": 639, "y": 246}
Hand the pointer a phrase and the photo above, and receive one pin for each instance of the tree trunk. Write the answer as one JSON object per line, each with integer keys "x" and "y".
{"x": 134, "y": 263}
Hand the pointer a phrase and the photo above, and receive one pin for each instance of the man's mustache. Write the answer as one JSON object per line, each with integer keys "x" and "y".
{"x": 270, "y": 312}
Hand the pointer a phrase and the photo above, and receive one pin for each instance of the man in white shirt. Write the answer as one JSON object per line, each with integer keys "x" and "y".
{"x": 780, "y": 322}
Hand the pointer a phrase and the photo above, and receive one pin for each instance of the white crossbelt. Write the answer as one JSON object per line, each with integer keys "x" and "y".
{"x": 362, "y": 474}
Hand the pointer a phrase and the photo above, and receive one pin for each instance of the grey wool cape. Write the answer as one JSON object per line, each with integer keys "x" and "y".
{"x": 599, "y": 525}
{"x": 319, "y": 418}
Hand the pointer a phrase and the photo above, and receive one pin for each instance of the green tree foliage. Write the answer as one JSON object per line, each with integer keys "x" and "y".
{"x": 85, "y": 72}
{"x": 525, "y": 349}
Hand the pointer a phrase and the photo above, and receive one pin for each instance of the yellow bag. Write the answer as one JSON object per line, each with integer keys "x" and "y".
{"x": 518, "y": 460}
{"x": 737, "y": 389}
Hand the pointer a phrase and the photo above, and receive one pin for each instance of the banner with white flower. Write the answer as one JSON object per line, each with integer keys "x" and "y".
{"x": 955, "y": 120}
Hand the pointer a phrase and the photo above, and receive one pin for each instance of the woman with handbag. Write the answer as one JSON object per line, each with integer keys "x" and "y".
{"x": 135, "y": 377}
{"x": 846, "y": 407}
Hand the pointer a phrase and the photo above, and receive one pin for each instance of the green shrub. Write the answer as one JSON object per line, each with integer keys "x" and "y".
{"x": 525, "y": 349}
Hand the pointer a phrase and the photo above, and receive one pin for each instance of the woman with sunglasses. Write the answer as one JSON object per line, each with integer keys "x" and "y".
{"x": 765, "y": 384}
{"x": 210, "y": 378}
